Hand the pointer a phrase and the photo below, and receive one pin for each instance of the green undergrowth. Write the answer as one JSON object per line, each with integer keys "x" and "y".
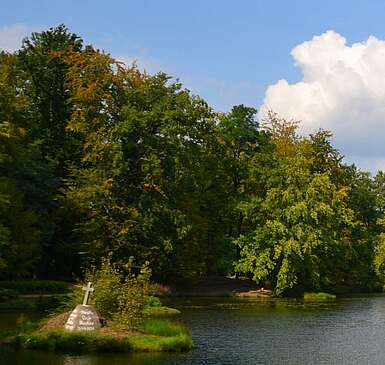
{"x": 161, "y": 327}
{"x": 316, "y": 297}
{"x": 63, "y": 341}
{"x": 155, "y": 335}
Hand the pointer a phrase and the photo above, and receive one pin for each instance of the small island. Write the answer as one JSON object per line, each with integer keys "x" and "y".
{"x": 131, "y": 319}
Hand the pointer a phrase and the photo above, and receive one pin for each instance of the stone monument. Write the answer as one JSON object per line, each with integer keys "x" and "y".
{"x": 84, "y": 317}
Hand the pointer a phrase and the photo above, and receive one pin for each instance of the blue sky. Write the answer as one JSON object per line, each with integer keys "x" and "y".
{"x": 228, "y": 52}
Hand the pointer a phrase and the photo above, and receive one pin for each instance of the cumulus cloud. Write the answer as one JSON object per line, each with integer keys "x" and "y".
{"x": 11, "y": 36}
{"x": 342, "y": 90}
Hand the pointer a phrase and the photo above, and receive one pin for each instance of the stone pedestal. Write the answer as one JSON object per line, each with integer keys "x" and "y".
{"x": 83, "y": 318}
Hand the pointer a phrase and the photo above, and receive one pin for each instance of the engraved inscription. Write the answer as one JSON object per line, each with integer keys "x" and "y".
{"x": 83, "y": 318}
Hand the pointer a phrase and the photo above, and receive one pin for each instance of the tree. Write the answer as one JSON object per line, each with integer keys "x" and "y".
{"x": 43, "y": 59}
{"x": 143, "y": 165}
{"x": 302, "y": 226}
{"x": 42, "y": 67}
{"x": 19, "y": 234}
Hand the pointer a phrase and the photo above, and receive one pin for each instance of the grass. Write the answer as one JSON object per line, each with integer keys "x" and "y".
{"x": 316, "y": 297}
{"x": 163, "y": 335}
{"x": 148, "y": 343}
{"x": 161, "y": 327}
{"x": 73, "y": 342}
{"x": 155, "y": 335}
{"x": 160, "y": 311}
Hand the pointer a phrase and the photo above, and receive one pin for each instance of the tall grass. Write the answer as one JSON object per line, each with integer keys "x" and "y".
{"x": 63, "y": 341}
{"x": 77, "y": 342}
{"x": 160, "y": 327}
{"x": 317, "y": 297}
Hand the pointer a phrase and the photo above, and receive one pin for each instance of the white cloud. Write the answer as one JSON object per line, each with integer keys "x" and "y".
{"x": 12, "y": 35}
{"x": 342, "y": 90}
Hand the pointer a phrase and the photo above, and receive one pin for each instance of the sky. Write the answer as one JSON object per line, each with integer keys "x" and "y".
{"x": 321, "y": 62}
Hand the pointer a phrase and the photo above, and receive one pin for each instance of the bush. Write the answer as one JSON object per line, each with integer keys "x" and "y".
{"x": 153, "y": 301}
{"x": 118, "y": 296}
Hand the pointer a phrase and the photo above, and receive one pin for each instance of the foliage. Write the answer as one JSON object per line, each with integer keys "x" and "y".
{"x": 99, "y": 158}
{"x": 119, "y": 296}
{"x": 153, "y": 301}
{"x": 303, "y": 223}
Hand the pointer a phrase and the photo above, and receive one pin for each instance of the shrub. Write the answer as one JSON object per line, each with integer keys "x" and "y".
{"x": 153, "y": 301}
{"x": 132, "y": 299}
{"x": 107, "y": 282}
{"x": 118, "y": 296}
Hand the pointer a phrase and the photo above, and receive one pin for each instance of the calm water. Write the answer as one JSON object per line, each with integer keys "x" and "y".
{"x": 349, "y": 331}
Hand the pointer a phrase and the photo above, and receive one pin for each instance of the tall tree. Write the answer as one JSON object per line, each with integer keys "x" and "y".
{"x": 43, "y": 66}
{"x": 19, "y": 234}
{"x": 143, "y": 167}
{"x": 302, "y": 225}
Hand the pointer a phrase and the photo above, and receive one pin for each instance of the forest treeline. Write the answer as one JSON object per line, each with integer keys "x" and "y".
{"x": 99, "y": 159}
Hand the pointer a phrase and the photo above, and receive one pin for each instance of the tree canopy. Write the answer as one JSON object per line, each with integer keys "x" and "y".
{"x": 100, "y": 159}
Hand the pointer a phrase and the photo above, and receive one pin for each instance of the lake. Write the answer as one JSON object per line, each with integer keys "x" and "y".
{"x": 227, "y": 331}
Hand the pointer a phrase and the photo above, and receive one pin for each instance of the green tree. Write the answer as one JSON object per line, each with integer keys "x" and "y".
{"x": 19, "y": 235}
{"x": 143, "y": 168}
{"x": 42, "y": 66}
{"x": 43, "y": 59}
{"x": 302, "y": 226}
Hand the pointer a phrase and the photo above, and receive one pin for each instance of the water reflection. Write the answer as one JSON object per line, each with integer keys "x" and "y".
{"x": 125, "y": 359}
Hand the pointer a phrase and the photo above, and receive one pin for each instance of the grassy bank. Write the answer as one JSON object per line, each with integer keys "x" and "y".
{"x": 39, "y": 303}
{"x": 34, "y": 286}
{"x": 318, "y": 297}
{"x": 32, "y": 294}
{"x": 153, "y": 335}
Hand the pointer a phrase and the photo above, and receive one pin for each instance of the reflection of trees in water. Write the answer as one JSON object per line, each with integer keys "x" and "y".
{"x": 123, "y": 359}
{"x": 78, "y": 360}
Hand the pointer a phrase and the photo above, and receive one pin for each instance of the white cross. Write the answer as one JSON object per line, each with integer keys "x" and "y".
{"x": 87, "y": 289}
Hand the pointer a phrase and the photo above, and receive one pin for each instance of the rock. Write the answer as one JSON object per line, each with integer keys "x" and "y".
{"x": 83, "y": 318}
{"x": 260, "y": 293}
